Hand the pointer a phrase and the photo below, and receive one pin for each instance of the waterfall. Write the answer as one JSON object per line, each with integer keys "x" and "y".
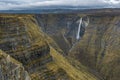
{"x": 78, "y": 33}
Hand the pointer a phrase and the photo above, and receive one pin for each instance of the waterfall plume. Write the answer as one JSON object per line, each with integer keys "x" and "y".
{"x": 79, "y": 28}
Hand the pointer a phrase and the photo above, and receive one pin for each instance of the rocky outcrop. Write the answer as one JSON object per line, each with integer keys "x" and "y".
{"x": 11, "y": 69}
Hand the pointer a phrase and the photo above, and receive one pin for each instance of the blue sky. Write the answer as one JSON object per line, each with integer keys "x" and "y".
{"x": 29, "y": 4}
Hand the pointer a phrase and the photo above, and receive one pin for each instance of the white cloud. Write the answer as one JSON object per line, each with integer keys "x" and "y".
{"x": 112, "y": 1}
{"x": 15, "y": 4}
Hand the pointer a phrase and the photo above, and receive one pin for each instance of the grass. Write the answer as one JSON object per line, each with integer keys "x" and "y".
{"x": 70, "y": 70}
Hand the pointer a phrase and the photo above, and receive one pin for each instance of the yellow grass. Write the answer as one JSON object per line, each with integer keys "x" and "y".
{"x": 70, "y": 70}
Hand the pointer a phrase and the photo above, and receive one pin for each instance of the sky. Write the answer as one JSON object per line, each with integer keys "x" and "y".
{"x": 29, "y": 4}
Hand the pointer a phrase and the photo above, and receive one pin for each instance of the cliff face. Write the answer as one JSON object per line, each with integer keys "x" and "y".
{"x": 40, "y": 55}
{"x": 63, "y": 28}
{"x": 99, "y": 46}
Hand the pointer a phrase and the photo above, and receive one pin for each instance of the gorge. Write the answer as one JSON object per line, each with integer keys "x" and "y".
{"x": 72, "y": 46}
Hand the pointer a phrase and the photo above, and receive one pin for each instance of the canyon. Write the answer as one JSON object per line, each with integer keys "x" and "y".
{"x": 72, "y": 46}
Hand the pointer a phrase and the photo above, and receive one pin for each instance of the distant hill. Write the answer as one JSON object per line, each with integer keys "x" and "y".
{"x": 64, "y": 9}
